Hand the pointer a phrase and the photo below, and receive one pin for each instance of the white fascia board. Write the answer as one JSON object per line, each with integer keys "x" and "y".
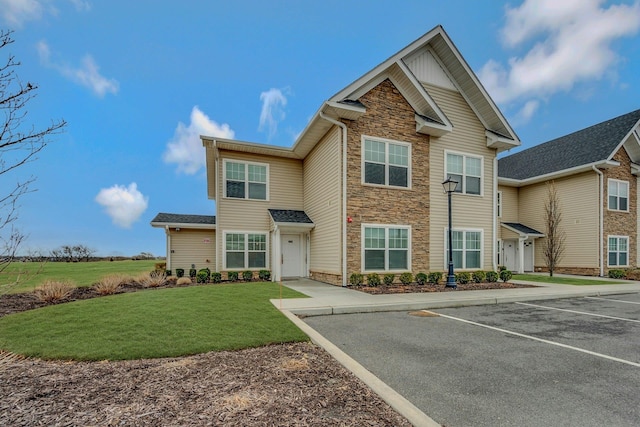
{"x": 510, "y": 182}
{"x": 520, "y": 233}
{"x": 183, "y": 225}
{"x": 294, "y": 225}
{"x": 499, "y": 142}
{"x": 249, "y": 147}
{"x": 632, "y": 132}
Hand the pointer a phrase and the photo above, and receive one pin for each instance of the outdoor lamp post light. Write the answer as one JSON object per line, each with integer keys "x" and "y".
{"x": 449, "y": 187}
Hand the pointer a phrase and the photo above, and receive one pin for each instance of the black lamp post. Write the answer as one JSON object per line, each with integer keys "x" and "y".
{"x": 449, "y": 187}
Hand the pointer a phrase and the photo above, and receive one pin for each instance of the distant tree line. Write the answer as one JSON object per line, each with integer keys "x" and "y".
{"x": 69, "y": 253}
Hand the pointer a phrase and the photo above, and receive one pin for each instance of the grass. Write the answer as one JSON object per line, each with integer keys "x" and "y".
{"x": 153, "y": 323}
{"x": 562, "y": 280}
{"x": 32, "y": 274}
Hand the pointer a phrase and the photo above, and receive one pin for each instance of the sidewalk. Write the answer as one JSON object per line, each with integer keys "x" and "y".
{"x": 328, "y": 299}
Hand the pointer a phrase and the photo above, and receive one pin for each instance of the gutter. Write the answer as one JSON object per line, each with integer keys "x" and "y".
{"x": 344, "y": 193}
{"x": 494, "y": 225}
{"x": 601, "y": 219}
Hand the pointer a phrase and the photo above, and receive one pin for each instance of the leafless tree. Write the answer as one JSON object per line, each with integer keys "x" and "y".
{"x": 83, "y": 252}
{"x": 20, "y": 144}
{"x": 554, "y": 243}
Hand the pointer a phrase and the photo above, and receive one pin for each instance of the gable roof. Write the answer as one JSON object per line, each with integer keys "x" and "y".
{"x": 589, "y": 146}
{"x": 186, "y": 221}
{"x": 522, "y": 229}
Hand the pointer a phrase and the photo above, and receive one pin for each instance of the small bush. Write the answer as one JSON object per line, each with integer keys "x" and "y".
{"x": 505, "y": 275}
{"x": 109, "y": 285}
{"x": 491, "y": 276}
{"x": 203, "y": 275}
{"x": 153, "y": 280}
{"x": 264, "y": 275}
{"x": 434, "y": 277}
{"x": 421, "y": 279}
{"x": 192, "y": 273}
{"x": 162, "y": 266}
{"x": 182, "y": 281}
{"x": 216, "y": 277}
{"x": 172, "y": 280}
{"x": 247, "y": 275}
{"x": 232, "y": 276}
{"x": 463, "y": 277}
{"x": 356, "y": 279}
{"x": 501, "y": 268}
{"x": 167, "y": 272}
{"x": 478, "y": 276}
{"x": 632, "y": 274}
{"x": 180, "y": 272}
{"x": 373, "y": 279}
{"x": 617, "y": 274}
{"x": 406, "y": 278}
{"x": 388, "y": 279}
{"x": 53, "y": 290}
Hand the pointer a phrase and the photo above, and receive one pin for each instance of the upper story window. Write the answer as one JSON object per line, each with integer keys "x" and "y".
{"x": 618, "y": 195}
{"x": 499, "y": 204}
{"x": 245, "y": 180}
{"x": 386, "y": 163}
{"x": 465, "y": 169}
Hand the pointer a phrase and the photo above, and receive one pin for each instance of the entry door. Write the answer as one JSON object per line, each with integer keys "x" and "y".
{"x": 291, "y": 255}
{"x": 511, "y": 254}
{"x": 528, "y": 255}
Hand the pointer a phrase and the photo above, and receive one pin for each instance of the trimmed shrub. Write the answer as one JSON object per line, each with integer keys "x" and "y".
{"x": 264, "y": 275}
{"x": 160, "y": 266}
{"x": 463, "y": 277}
{"x": 247, "y": 275}
{"x": 434, "y": 277}
{"x": 216, "y": 277}
{"x": 192, "y": 273}
{"x": 421, "y": 279}
{"x": 406, "y": 278}
{"x": 373, "y": 279}
{"x": 388, "y": 279}
{"x": 505, "y": 275}
{"x": 617, "y": 273}
{"x": 491, "y": 276}
{"x": 232, "y": 276}
{"x": 356, "y": 279}
{"x": 632, "y": 274}
{"x": 501, "y": 268}
{"x": 203, "y": 275}
{"x": 182, "y": 281}
{"x": 167, "y": 272}
{"x": 53, "y": 290}
{"x": 478, "y": 276}
{"x": 180, "y": 272}
{"x": 109, "y": 285}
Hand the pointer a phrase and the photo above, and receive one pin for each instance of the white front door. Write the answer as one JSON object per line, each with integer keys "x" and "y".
{"x": 510, "y": 248}
{"x": 528, "y": 255}
{"x": 291, "y": 255}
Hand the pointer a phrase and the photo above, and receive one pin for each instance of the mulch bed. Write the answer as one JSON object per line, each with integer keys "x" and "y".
{"x": 415, "y": 288}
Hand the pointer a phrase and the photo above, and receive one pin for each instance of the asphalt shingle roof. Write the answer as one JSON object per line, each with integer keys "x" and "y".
{"x": 593, "y": 144}
{"x": 184, "y": 219}
{"x": 286, "y": 215}
{"x": 521, "y": 228}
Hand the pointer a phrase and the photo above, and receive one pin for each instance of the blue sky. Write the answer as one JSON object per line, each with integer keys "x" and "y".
{"x": 138, "y": 81}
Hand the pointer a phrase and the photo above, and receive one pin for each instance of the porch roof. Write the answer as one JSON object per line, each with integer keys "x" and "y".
{"x": 522, "y": 229}
{"x": 289, "y": 216}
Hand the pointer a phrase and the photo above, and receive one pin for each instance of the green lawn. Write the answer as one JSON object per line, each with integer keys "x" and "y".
{"x": 153, "y": 323}
{"x": 563, "y": 280}
{"x": 32, "y": 274}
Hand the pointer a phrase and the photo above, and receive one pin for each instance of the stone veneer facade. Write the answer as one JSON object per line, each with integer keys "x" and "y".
{"x": 621, "y": 223}
{"x": 389, "y": 116}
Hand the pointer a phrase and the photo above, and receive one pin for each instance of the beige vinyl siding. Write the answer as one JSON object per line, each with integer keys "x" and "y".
{"x": 284, "y": 192}
{"x": 469, "y": 211}
{"x": 579, "y": 203}
{"x": 211, "y": 177}
{"x": 322, "y": 202}
{"x": 192, "y": 247}
{"x": 509, "y": 208}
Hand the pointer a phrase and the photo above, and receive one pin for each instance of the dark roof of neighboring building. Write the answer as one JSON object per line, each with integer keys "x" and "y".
{"x": 521, "y": 228}
{"x": 287, "y": 215}
{"x": 184, "y": 219}
{"x": 593, "y": 144}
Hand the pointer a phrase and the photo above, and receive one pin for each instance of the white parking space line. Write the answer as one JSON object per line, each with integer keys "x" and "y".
{"x": 570, "y": 347}
{"x": 579, "y": 312}
{"x": 614, "y": 300}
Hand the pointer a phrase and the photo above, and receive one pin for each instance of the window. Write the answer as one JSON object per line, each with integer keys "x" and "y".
{"x": 386, "y": 247}
{"x": 499, "y": 204}
{"x": 386, "y": 163}
{"x": 467, "y": 248}
{"x": 245, "y": 250}
{"x": 245, "y": 180}
{"x": 618, "y": 195}
{"x": 467, "y": 170}
{"x": 618, "y": 251}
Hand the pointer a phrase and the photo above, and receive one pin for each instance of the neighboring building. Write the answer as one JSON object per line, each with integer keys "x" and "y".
{"x": 595, "y": 171}
{"x": 361, "y": 188}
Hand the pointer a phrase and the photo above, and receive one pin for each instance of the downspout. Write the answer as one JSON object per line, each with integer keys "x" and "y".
{"x": 495, "y": 214}
{"x": 344, "y": 194}
{"x": 276, "y": 257}
{"x": 601, "y": 219}
{"x": 167, "y": 231}
{"x": 217, "y": 183}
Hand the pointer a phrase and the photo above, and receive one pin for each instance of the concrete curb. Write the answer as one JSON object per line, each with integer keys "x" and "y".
{"x": 389, "y": 395}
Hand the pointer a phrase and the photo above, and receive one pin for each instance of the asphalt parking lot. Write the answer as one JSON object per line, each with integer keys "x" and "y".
{"x": 569, "y": 362}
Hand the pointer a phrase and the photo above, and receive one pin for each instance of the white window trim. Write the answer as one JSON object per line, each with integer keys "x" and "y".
{"x": 628, "y": 250}
{"x": 246, "y": 250}
{"x": 446, "y": 247}
{"x": 499, "y": 202}
{"x": 386, "y": 142}
{"x": 246, "y": 179}
{"x": 465, "y": 155}
{"x": 386, "y": 227}
{"x": 609, "y": 181}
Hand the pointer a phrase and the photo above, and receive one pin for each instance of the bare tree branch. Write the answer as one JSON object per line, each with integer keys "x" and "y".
{"x": 554, "y": 243}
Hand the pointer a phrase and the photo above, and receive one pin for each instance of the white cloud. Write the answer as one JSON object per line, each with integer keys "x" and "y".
{"x": 273, "y": 103}
{"x": 571, "y": 44}
{"x": 123, "y": 204}
{"x": 87, "y": 74}
{"x": 185, "y": 148}
{"x": 16, "y": 12}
